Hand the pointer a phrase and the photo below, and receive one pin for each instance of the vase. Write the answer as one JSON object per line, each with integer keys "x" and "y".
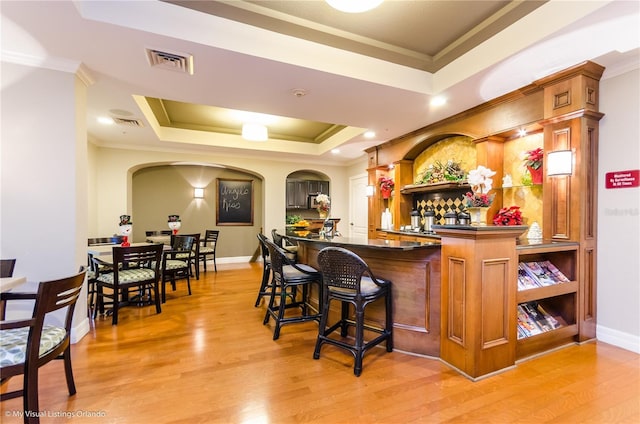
{"x": 478, "y": 216}
{"x": 536, "y": 175}
{"x": 323, "y": 214}
{"x": 386, "y": 193}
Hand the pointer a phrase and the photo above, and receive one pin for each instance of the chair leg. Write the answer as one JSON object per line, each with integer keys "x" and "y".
{"x": 71, "y": 385}
{"x": 215, "y": 266}
{"x": 263, "y": 286}
{"x": 389, "y": 321}
{"x": 321, "y": 327}
{"x": 204, "y": 261}
{"x": 164, "y": 290}
{"x": 344, "y": 325}
{"x": 114, "y": 309}
{"x": 156, "y": 296}
{"x": 188, "y": 284}
{"x": 281, "y": 308}
{"x": 359, "y": 340}
{"x": 30, "y": 397}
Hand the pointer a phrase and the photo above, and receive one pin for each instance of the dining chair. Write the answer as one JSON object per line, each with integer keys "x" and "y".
{"x": 6, "y": 267}
{"x": 288, "y": 276}
{"x": 348, "y": 279}
{"x": 208, "y": 248}
{"x": 194, "y": 256}
{"x": 6, "y": 270}
{"x": 176, "y": 263}
{"x": 265, "y": 285}
{"x": 28, "y": 344}
{"x": 134, "y": 267}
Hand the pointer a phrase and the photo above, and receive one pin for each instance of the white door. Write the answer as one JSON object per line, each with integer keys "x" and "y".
{"x": 358, "y": 207}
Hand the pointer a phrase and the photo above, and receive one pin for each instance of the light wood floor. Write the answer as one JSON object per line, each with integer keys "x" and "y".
{"x": 207, "y": 358}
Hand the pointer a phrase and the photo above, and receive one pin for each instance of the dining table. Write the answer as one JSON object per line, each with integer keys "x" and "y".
{"x": 107, "y": 249}
{"x": 7, "y": 283}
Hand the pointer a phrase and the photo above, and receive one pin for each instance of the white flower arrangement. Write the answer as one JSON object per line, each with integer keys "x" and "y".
{"x": 322, "y": 198}
{"x": 480, "y": 180}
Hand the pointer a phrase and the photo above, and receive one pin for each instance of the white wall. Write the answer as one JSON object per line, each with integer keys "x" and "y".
{"x": 618, "y": 298}
{"x": 43, "y": 218}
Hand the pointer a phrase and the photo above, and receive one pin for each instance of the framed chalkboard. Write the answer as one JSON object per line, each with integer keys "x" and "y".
{"x": 235, "y": 202}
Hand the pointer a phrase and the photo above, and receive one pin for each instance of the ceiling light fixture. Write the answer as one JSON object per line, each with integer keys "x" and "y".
{"x": 354, "y": 6}
{"x": 254, "y": 132}
{"x": 369, "y": 134}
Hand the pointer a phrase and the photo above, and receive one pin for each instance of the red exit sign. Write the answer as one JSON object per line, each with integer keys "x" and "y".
{"x": 622, "y": 179}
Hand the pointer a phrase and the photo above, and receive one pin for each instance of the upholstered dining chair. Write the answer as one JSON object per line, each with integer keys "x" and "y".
{"x": 194, "y": 256}
{"x": 349, "y": 280}
{"x": 134, "y": 267}
{"x": 176, "y": 263}
{"x": 265, "y": 285}
{"x": 28, "y": 344}
{"x": 288, "y": 276}
{"x": 208, "y": 248}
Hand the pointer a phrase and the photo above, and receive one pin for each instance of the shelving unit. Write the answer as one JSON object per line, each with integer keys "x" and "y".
{"x": 560, "y": 300}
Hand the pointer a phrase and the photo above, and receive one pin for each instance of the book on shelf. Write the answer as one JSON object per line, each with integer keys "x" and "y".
{"x": 543, "y": 276}
{"x": 525, "y": 281}
{"x": 553, "y": 271}
{"x": 534, "y": 319}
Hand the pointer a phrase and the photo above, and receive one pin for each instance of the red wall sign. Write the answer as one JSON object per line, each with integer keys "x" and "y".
{"x": 622, "y": 179}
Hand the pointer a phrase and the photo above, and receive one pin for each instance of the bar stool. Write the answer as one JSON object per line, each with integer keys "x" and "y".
{"x": 348, "y": 279}
{"x": 265, "y": 285}
{"x": 288, "y": 276}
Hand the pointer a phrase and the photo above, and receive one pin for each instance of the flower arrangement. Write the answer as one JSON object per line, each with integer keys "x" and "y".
{"x": 508, "y": 216}
{"x": 533, "y": 158}
{"x": 386, "y": 183}
{"x": 481, "y": 182}
{"x": 323, "y": 203}
{"x": 439, "y": 172}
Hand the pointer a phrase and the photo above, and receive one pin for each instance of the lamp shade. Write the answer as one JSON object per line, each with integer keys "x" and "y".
{"x": 559, "y": 162}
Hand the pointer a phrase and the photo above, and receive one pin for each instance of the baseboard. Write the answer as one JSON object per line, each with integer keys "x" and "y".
{"x": 79, "y": 330}
{"x": 230, "y": 260}
{"x": 618, "y": 338}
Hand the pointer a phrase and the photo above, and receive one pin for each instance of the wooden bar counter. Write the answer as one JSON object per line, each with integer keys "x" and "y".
{"x": 414, "y": 270}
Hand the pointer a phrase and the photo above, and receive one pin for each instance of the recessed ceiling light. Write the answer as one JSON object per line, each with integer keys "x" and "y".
{"x": 370, "y": 134}
{"x": 105, "y": 120}
{"x": 438, "y": 101}
{"x": 522, "y": 132}
{"x": 335, "y": 151}
{"x": 254, "y": 132}
{"x": 354, "y": 6}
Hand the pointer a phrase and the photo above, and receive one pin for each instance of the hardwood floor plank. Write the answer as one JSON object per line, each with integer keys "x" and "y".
{"x": 207, "y": 358}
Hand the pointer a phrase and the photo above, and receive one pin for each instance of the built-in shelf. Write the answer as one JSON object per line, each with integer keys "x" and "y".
{"x": 434, "y": 187}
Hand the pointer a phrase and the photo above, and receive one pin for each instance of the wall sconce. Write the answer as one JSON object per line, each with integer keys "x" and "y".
{"x": 198, "y": 193}
{"x": 370, "y": 190}
{"x": 559, "y": 162}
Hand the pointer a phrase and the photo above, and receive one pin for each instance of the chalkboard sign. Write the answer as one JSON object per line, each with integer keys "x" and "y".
{"x": 235, "y": 202}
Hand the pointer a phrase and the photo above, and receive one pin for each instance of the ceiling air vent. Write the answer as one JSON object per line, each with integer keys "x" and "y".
{"x": 172, "y": 61}
{"x": 128, "y": 122}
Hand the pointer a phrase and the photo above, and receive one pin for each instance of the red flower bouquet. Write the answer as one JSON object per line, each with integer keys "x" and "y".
{"x": 508, "y": 216}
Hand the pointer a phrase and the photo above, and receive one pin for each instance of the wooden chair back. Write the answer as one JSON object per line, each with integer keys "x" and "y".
{"x": 6, "y": 267}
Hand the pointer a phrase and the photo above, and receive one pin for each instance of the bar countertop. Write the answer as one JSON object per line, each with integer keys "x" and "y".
{"x": 344, "y": 241}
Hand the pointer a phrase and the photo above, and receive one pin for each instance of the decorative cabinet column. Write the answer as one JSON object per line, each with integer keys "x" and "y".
{"x": 571, "y": 120}
{"x": 479, "y": 267}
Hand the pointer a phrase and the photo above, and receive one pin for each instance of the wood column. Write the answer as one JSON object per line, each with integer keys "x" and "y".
{"x": 570, "y": 213}
{"x": 479, "y": 282}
